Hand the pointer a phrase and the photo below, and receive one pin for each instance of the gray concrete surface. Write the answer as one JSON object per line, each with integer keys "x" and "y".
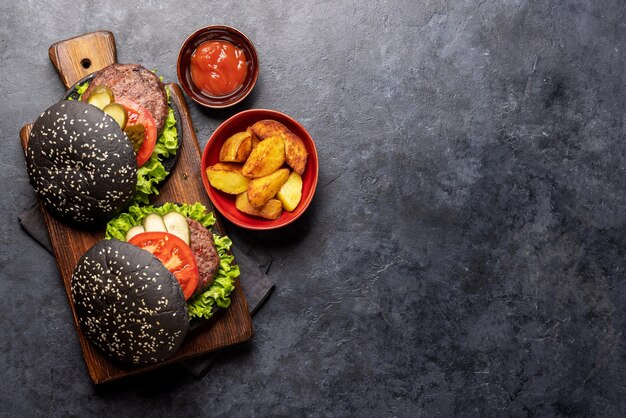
{"x": 465, "y": 251}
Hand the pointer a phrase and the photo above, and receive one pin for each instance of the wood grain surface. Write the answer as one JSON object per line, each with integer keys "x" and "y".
{"x": 184, "y": 185}
{"x": 82, "y": 55}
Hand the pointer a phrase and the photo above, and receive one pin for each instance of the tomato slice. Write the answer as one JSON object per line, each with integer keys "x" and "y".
{"x": 175, "y": 255}
{"x": 139, "y": 114}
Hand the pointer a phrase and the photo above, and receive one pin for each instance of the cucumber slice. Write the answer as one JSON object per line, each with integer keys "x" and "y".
{"x": 117, "y": 112}
{"x": 154, "y": 222}
{"x": 100, "y": 97}
{"x": 176, "y": 224}
{"x": 135, "y": 230}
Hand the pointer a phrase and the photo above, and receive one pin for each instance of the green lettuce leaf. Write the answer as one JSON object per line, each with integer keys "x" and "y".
{"x": 80, "y": 89}
{"x": 217, "y": 295}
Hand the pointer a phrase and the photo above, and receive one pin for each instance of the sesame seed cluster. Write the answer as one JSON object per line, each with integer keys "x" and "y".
{"x": 80, "y": 163}
{"x": 128, "y": 304}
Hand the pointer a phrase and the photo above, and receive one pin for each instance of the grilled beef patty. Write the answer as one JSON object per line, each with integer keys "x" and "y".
{"x": 203, "y": 248}
{"x": 136, "y": 83}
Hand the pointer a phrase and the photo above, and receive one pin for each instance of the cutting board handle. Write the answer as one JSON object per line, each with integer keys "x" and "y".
{"x": 82, "y": 55}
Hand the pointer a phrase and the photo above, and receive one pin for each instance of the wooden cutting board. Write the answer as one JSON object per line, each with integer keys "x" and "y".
{"x": 74, "y": 59}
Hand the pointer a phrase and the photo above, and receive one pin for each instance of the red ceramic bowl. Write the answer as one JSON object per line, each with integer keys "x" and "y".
{"x": 217, "y": 33}
{"x": 225, "y": 203}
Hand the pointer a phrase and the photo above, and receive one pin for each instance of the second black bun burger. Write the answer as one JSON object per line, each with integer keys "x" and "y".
{"x": 80, "y": 163}
{"x": 128, "y": 303}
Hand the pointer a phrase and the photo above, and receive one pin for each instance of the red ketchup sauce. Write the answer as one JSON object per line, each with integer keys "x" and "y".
{"x": 218, "y": 67}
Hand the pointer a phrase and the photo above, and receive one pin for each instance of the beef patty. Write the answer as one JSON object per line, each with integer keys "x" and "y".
{"x": 203, "y": 247}
{"x": 136, "y": 83}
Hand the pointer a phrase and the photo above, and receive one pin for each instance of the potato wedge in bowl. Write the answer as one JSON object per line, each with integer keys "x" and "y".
{"x": 227, "y": 177}
{"x": 271, "y": 210}
{"x": 290, "y": 193}
{"x": 262, "y": 189}
{"x": 295, "y": 151}
{"x": 267, "y": 157}
{"x": 237, "y": 148}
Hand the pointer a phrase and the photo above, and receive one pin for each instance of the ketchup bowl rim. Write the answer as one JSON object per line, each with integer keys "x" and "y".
{"x": 223, "y": 33}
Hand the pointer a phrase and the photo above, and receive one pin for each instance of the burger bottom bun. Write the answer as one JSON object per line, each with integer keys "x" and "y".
{"x": 128, "y": 304}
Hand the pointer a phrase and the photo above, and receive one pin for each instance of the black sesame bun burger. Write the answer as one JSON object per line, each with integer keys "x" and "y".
{"x": 128, "y": 303}
{"x": 159, "y": 273}
{"x": 80, "y": 163}
{"x": 111, "y": 142}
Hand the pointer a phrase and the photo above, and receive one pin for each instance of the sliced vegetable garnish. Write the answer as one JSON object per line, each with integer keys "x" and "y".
{"x": 176, "y": 224}
{"x": 117, "y": 112}
{"x": 175, "y": 255}
{"x": 135, "y": 230}
{"x": 154, "y": 223}
{"x": 137, "y": 114}
{"x": 151, "y": 173}
{"x": 101, "y": 96}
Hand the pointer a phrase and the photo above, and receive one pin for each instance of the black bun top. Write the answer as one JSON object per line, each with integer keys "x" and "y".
{"x": 80, "y": 163}
{"x": 128, "y": 304}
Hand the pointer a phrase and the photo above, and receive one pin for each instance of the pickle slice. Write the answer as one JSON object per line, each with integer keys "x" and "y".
{"x": 117, "y": 112}
{"x": 136, "y": 134}
{"x": 101, "y": 96}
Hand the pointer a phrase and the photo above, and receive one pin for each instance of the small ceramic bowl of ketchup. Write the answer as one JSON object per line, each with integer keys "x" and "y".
{"x": 217, "y": 66}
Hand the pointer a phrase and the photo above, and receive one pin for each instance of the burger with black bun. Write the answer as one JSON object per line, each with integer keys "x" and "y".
{"x": 123, "y": 286}
{"x": 107, "y": 146}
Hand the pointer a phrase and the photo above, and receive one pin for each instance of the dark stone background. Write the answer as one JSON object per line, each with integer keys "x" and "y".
{"x": 465, "y": 251}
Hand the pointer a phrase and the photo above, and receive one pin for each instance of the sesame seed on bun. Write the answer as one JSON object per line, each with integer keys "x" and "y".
{"x": 80, "y": 163}
{"x": 128, "y": 303}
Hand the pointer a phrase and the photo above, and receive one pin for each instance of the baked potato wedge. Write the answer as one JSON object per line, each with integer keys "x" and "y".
{"x": 255, "y": 139}
{"x": 271, "y": 210}
{"x": 267, "y": 157}
{"x": 295, "y": 152}
{"x": 262, "y": 189}
{"x": 268, "y": 127}
{"x": 291, "y": 192}
{"x": 236, "y": 148}
{"x": 227, "y": 177}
